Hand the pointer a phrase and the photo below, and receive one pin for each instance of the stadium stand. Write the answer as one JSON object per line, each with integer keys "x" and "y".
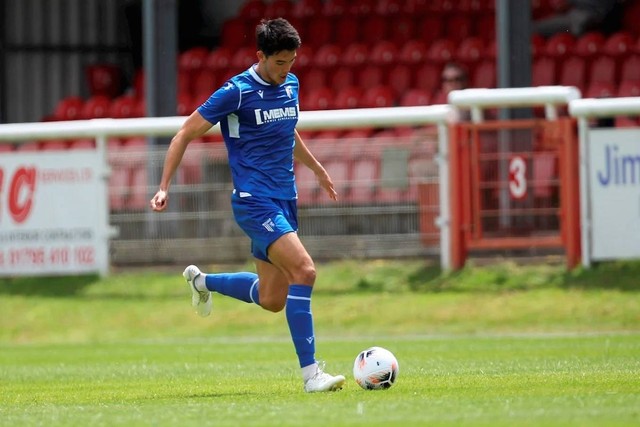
{"x": 424, "y": 35}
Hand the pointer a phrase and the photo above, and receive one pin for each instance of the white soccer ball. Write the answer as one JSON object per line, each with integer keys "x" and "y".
{"x": 375, "y": 368}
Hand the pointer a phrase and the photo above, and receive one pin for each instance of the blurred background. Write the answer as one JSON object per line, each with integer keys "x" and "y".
{"x": 83, "y": 59}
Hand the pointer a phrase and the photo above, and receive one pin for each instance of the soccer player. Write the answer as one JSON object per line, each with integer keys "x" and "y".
{"x": 258, "y": 111}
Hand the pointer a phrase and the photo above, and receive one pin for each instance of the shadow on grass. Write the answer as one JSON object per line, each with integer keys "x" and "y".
{"x": 46, "y": 286}
{"x": 620, "y": 275}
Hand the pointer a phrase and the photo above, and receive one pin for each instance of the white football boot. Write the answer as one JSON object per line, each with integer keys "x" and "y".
{"x": 201, "y": 300}
{"x": 321, "y": 381}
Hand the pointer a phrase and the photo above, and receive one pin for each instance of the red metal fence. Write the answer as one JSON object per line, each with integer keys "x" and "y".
{"x": 514, "y": 186}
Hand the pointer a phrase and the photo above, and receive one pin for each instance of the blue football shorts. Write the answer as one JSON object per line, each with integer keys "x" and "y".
{"x": 264, "y": 220}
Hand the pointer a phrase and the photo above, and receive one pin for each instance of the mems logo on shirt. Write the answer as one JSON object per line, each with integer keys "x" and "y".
{"x": 275, "y": 114}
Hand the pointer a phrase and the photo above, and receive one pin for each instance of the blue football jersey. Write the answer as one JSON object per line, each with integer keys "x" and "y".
{"x": 257, "y": 121}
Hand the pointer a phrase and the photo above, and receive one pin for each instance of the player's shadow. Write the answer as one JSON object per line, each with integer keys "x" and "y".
{"x": 46, "y": 286}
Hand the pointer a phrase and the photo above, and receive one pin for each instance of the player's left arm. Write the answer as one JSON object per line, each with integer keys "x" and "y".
{"x": 302, "y": 154}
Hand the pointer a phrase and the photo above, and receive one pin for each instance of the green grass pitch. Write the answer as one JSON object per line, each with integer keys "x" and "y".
{"x": 129, "y": 351}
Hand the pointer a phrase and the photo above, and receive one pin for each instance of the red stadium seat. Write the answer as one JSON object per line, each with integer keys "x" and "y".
{"x": 603, "y": 69}
{"x": 378, "y": 96}
{"x": 252, "y": 9}
{"x": 362, "y": 7}
{"x": 439, "y": 97}
{"x": 82, "y": 144}
{"x": 235, "y": 33}
{"x": 629, "y": 88}
{"x": 95, "y": 107}
{"x": 470, "y": 50}
{"x": 278, "y": 8}
{"x": 54, "y": 145}
{"x": 600, "y": 89}
{"x": 205, "y": 81}
{"x": 589, "y": 45}
{"x": 427, "y": 77}
{"x": 442, "y": 6}
{"x": 138, "y": 83}
{"x": 104, "y": 79}
{"x": 138, "y": 197}
{"x": 383, "y": 52}
{"x": 630, "y": 68}
{"x": 418, "y": 7}
{"x": 543, "y": 72}
{"x": 370, "y": 76}
{"x": 193, "y": 59}
{"x": 441, "y": 51}
{"x": 459, "y": 27}
{"x": 537, "y": 45}
{"x": 28, "y": 146}
{"x": 359, "y": 133}
{"x": 355, "y": 54}
{"x": 400, "y": 78}
{"x": 486, "y": 26}
{"x": 573, "y": 72}
{"x": 350, "y": 97}
{"x": 123, "y": 107}
{"x": 365, "y": 173}
{"x": 313, "y": 79}
{"x": 431, "y": 28}
{"x": 342, "y": 77}
{"x": 68, "y": 108}
{"x": 317, "y": 99}
{"x": 484, "y": 75}
{"x": 306, "y": 184}
{"x": 185, "y": 104}
{"x": 413, "y": 52}
{"x": 559, "y": 45}
{"x": 328, "y": 134}
{"x": 244, "y": 58}
{"x": 404, "y": 30}
{"x": 307, "y": 8}
{"x": 327, "y": 56}
{"x": 321, "y": 31}
{"x": 619, "y": 44}
{"x": 219, "y": 58}
{"x": 470, "y": 6}
{"x": 332, "y": 8}
{"x": 133, "y": 151}
{"x": 373, "y": 28}
{"x": 626, "y": 122}
{"x": 184, "y": 81}
{"x": 338, "y": 170}
{"x": 415, "y": 97}
{"x": 346, "y": 30}
{"x": 389, "y": 7}
{"x": 190, "y": 62}
{"x": 118, "y": 188}
{"x": 304, "y": 58}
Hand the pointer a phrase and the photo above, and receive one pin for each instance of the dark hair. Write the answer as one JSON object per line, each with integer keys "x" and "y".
{"x": 275, "y": 35}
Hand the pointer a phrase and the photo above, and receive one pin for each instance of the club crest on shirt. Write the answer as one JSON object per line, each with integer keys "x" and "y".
{"x": 289, "y": 91}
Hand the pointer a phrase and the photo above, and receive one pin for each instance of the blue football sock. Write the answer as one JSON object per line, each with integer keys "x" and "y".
{"x": 300, "y": 320}
{"x": 242, "y": 286}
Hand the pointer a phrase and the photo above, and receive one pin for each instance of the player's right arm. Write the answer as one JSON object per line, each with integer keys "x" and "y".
{"x": 194, "y": 127}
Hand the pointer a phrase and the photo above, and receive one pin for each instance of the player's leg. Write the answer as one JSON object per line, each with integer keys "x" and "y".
{"x": 289, "y": 255}
{"x": 274, "y": 286}
{"x": 242, "y": 286}
{"x": 249, "y": 213}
